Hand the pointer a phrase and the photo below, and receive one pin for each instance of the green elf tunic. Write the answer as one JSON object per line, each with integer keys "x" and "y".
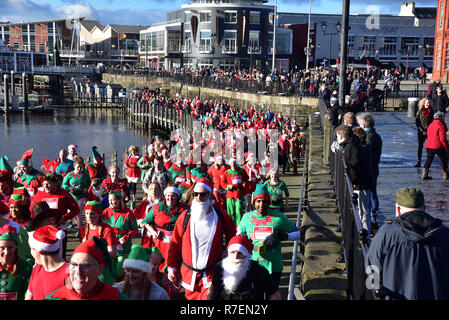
{"x": 80, "y": 181}
{"x": 31, "y": 181}
{"x": 275, "y": 190}
{"x": 145, "y": 163}
{"x": 125, "y": 226}
{"x": 235, "y": 197}
{"x": 14, "y": 280}
{"x": 257, "y": 228}
{"x": 178, "y": 173}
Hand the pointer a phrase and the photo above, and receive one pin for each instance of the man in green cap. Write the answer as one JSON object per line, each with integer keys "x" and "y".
{"x": 410, "y": 254}
{"x": 267, "y": 228}
{"x": 14, "y": 272}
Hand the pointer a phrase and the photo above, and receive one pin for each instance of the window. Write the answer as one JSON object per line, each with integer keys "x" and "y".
{"x": 205, "y": 62}
{"x": 389, "y": 47}
{"x": 369, "y": 44}
{"x": 409, "y": 45}
{"x": 187, "y": 47}
{"x": 230, "y": 16}
{"x": 351, "y": 40}
{"x": 428, "y": 46}
{"x": 271, "y": 18}
{"x": 254, "y": 17}
{"x": 230, "y": 41}
{"x": 205, "y": 16}
{"x": 205, "y": 43}
{"x": 253, "y": 46}
{"x": 188, "y": 16}
{"x": 446, "y": 64}
{"x": 41, "y": 47}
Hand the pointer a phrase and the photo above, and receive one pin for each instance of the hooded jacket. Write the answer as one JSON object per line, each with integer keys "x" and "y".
{"x": 436, "y": 135}
{"x": 412, "y": 254}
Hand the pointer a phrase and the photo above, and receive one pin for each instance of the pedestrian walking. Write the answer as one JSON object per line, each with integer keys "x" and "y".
{"x": 424, "y": 118}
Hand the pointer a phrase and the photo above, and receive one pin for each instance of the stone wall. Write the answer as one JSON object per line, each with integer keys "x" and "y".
{"x": 289, "y": 106}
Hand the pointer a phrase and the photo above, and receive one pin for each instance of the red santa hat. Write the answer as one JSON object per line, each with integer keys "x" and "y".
{"x": 205, "y": 183}
{"x": 26, "y": 157}
{"x": 46, "y": 238}
{"x": 242, "y": 244}
{"x": 97, "y": 248}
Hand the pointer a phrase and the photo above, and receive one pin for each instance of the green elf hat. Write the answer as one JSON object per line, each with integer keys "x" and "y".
{"x": 155, "y": 250}
{"x": 261, "y": 192}
{"x": 25, "y": 160}
{"x": 4, "y": 165}
{"x": 139, "y": 258}
{"x": 195, "y": 173}
{"x": 116, "y": 193}
{"x": 94, "y": 206}
{"x": 16, "y": 199}
{"x": 8, "y": 233}
{"x": 95, "y": 155}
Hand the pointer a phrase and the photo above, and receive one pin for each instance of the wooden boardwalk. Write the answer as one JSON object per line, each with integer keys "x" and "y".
{"x": 294, "y": 188}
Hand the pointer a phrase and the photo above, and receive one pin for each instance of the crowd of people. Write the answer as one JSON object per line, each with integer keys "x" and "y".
{"x": 210, "y": 226}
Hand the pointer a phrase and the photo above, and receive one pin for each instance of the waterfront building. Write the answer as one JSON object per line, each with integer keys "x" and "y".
{"x": 19, "y": 61}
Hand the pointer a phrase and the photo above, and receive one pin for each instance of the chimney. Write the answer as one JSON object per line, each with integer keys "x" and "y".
{"x": 407, "y": 9}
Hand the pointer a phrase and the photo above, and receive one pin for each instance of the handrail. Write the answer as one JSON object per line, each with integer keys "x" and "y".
{"x": 295, "y": 247}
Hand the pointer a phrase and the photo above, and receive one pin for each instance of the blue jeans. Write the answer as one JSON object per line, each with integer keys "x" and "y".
{"x": 374, "y": 201}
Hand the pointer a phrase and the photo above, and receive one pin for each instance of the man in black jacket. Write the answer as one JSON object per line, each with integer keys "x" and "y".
{"x": 373, "y": 139}
{"x": 358, "y": 162}
{"x": 409, "y": 254}
{"x": 440, "y": 101}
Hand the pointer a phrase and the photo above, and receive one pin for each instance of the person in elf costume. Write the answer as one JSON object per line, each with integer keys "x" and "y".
{"x": 124, "y": 223}
{"x": 234, "y": 181}
{"x": 96, "y": 167}
{"x": 7, "y": 184}
{"x": 277, "y": 188}
{"x": 115, "y": 183}
{"x": 29, "y": 177}
{"x": 19, "y": 211}
{"x": 160, "y": 220}
{"x": 132, "y": 171}
{"x": 94, "y": 227}
{"x": 146, "y": 162}
{"x": 252, "y": 169}
{"x": 14, "y": 271}
{"x": 159, "y": 277}
{"x": 87, "y": 263}
{"x": 77, "y": 182}
{"x": 178, "y": 171}
{"x": 267, "y": 228}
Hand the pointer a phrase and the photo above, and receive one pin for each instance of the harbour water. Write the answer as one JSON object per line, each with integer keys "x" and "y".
{"x": 49, "y": 133}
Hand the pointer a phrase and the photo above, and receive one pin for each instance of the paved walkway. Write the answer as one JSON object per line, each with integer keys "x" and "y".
{"x": 399, "y": 154}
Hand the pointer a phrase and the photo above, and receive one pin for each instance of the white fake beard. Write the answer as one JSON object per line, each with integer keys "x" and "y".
{"x": 199, "y": 210}
{"x": 234, "y": 273}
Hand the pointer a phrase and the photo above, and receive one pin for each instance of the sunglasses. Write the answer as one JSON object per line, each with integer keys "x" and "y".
{"x": 201, "y": 194}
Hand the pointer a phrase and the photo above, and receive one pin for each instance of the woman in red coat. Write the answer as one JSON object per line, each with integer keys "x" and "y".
{"x": 436, "y": 145}
{"x": 132, "y": 171}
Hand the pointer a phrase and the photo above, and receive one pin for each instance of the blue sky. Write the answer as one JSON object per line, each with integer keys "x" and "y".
{"x": 146, "y": 12}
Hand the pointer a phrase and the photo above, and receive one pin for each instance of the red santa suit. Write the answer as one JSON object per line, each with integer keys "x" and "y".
{"x": 196, "y": 261}
{"x": 253, "y": 173}
{"x": 132, "y": 169}
{"x": 217, "y": 178}
{"x": 61, "y": 200}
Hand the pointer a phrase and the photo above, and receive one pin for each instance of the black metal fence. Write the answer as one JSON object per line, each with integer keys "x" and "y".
{"x": 354, "y": 237}
{"x": 260, "y": 86}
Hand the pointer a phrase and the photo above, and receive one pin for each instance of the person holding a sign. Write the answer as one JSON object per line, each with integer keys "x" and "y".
{"x": 267, "y": 229}
{"x": 14, "y": 272}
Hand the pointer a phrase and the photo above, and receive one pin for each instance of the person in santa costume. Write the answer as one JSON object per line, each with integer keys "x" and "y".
{"x": 94, "y": 227}
{"x": 59, "y": 199}
{"x": 122, "y": 220}
{"x": 7, "y": 184}
{"x": 14, "y": 271}
{"x": 138, "y": 284}
{"x": 115, "y": 183}
{"x": 87, "y": 263}
{"x": 216, "y": 172}
{"x": 50, "y": 271}
{"x": 161, "y": 218}
{"x": 96, "y": 167}
{"x": 234, "y": 181}
{"x": 239, "y": 278}
{"x": 77, "y": 182}
{"x": 72, "y": 150}
{"x": 28, "y": 176}
{"x": 132, "y": 171}
{"x": 267, "y": 228}
{"x": 197, "y": 243}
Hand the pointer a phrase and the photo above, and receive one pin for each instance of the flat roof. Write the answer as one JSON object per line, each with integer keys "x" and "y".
{"x": 38, "y": 22}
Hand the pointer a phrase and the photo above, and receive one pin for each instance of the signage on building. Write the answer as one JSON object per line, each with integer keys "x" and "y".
{"x": 381, "y": 30}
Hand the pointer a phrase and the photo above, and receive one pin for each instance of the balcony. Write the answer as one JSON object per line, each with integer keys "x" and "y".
{"x": 186, "y": 48}
{"x": 256, "y": 50}
{"x": 229, "y": 50}
{"x": 387, "y": 52}
{"x": 72, "y": 54}
{"x": 124, "y": 53}
{"x": 205, "y": 48}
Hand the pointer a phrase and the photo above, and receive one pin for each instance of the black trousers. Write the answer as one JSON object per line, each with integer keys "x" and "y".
{"x": 421, "y": 139}
{"x": 441, "y": 153}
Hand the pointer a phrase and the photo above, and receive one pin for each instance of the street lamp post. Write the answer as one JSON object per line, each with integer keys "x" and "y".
{"x": 324, "y": 27}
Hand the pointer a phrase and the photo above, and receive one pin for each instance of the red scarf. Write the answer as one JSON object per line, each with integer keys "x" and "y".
{"x": 426, "y": 111}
